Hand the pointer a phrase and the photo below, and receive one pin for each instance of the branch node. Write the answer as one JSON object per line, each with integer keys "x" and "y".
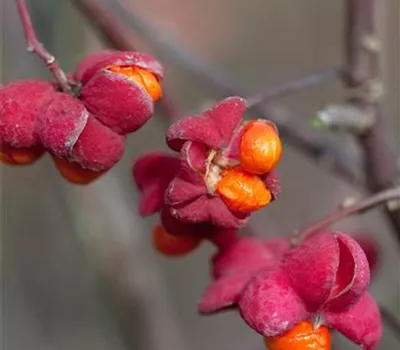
{"x": 371, "y": 43}
{"x": 347, "y": 202}
{"x": 348, "y": 117}
{"x": 393, "y": 205}
{"x": 50, "y": 60}
{"x": 370, "y": 92}
{"x": 34, "y": 46}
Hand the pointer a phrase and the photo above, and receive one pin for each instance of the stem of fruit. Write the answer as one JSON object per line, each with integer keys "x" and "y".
{"x": 38, "y": 49}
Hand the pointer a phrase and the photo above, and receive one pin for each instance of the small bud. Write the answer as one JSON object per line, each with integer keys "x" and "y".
{"x": 303, "y": 336}
{"x": 260, "y": 147}
{"x": 174, "y": 244}
{"x": 243, "y": 192}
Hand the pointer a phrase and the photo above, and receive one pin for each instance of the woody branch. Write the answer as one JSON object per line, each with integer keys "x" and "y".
{"x": 39, "y": 50}
{"x": 361, "y": 75}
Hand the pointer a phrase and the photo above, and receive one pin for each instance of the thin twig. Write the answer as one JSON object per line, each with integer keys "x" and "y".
{"x": 358, "y": 207}
{"x": 119, "y": 37}
{"x": 293, "y": 86}
{"x": 38, "y": 49}
{"x": 362, "y": 71}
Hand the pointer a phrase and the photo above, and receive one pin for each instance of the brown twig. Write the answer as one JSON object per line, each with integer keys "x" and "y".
{"x": 38, "y": 49}
{"x": 361, "y": 72}
{"x": 293, "y": 86}
{"x": 119, "y": 37}
{"x": 112, "y": 31}
{"x": 359, "y": 207}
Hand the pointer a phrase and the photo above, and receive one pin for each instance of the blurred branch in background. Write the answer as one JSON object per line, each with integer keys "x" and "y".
{"x": 293, "y": 86}
{"x": 105, "y": 222}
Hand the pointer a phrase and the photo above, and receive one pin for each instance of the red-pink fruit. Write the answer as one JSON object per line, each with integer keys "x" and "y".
{"x": 152, "y": 174}
{"x": 61, "y": 123}
{"x": 117, "y": 101}
{"x": 98, "y": 148}
{"x": 21, "y": 103}
{"x": 213, "y": 128}
{"x": 120, "y": 88}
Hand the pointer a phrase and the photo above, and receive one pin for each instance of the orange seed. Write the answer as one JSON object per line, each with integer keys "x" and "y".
{"x": 301, "y": 337}
{"x": 74, "y": 173}
{"x": 19, "y": 156}
{"x": 141, "y": 76}
{"x": 243, "y": 192}
{"x": 260, "y": 147}
{"x": 173, "y": 245}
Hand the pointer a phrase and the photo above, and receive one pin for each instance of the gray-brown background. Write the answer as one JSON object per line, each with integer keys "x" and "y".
{"x": 78, "y": 270}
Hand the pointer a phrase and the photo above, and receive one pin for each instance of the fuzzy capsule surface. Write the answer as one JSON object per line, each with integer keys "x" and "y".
{"x": 302, "y": 337}
{"x": 260, "y": 147}
{"x": 243, "y": 192}
{"x": 173, "y": 245}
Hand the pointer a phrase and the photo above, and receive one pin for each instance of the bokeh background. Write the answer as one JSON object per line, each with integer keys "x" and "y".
{"x": 78, "y": 270}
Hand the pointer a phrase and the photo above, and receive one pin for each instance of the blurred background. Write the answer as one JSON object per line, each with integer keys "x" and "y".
{"x": 78, "y": 270}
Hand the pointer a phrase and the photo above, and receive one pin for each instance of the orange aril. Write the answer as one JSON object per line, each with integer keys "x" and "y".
{"x": 19, "y": 156}
{"x": 141, "y": 76}
{"x": 243, "y": 192}
{"x": 301, "y": 337}
{"x": 173, "y": 245}
{"x": 74, "y": 173}
{"x": 260, "y": 147}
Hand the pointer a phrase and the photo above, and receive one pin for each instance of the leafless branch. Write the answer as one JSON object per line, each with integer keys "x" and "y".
{"x": 38, "y": 49}
{"x": 360, "y": 206}
{"x": 361, "y": 72}
{"x": 293, "y": 86}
